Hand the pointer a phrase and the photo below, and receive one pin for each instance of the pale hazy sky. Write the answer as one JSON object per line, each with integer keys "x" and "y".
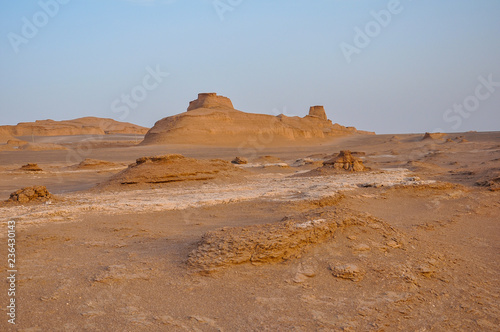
{"x": 387, "y": 66}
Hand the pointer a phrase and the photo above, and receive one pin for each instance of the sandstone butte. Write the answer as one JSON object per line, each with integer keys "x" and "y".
{"x": 212, "y": 119}
{"x": 82, "y": 126}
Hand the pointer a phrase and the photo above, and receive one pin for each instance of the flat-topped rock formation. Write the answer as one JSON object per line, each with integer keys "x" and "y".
{"x": 81, "y": 126}
{"x": 212, "y": 120}
{"x": 210, "y": 100}
{"x": 318, "y": 111}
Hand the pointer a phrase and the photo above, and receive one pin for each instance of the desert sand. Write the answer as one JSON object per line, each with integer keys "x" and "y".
{"x": 344, "y": 232}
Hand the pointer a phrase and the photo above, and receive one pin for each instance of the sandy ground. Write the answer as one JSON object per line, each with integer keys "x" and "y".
{"x": 412, "y": 244}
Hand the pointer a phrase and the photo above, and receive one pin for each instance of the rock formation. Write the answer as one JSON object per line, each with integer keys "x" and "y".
{"x": 318, "y": 111}
{"x": 28, "y": 194}
{"x": 94, "y": 163}
{"x": 347, "y": 271}
{"x": 345, "y": 161}
{"x": 31, "y": 168}
{"x": 172, "y": 168}
{"x": 82, "y": 126}
{"x": 211, "y": 119}
{"x": 274, "y": 242}
{"x": 210, "y": 100}
{"x": 433, "y": 136}
{"x": 239, "y": 161}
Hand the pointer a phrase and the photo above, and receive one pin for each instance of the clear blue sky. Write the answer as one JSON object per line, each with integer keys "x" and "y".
{"x": 267, "y": 56}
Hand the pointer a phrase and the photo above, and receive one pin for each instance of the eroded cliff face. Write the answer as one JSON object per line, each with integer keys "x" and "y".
{"x": 212, "y": 120}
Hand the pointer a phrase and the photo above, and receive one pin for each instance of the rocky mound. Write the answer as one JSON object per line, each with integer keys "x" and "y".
{"x": 173, "y": 168}
{"x": 211, "y": 119}
{"x": 94, "y": 163}
{"x": 29, "y": 194}
{"x": 239, "y": 161}
{"x": 274, "y": 242}
{"x": 345, "y": 161}
{"x": 80, "y": 126}
{"x": 433, "y": 136}
{"x": 31, "y": 168}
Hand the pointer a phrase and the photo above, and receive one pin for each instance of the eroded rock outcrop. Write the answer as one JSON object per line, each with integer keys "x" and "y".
{"x": 347, "y": 271}
{"x": 172, "y": 168}
{"x": 346, "y": 161}
{"x": 239, "y": 161}
{"x": 212, "y": 120}
{"x": 94, "y": 163}
{"x": 433, "y": 136}
{"x": 274, "y": 242}
{"x": 31, "y": 168}
{"x": 30, "y": 194}
{"x": 318, "y": 111}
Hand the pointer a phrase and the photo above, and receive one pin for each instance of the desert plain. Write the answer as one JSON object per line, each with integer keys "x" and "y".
{"x": 345, "y": 232}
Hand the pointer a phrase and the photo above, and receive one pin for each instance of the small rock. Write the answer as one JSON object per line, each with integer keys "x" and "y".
{"x": 361, "y": 247}
{"x": 31, "y": 168}
{"x": 348, "y": 271}
{"x": 239, "y": 161}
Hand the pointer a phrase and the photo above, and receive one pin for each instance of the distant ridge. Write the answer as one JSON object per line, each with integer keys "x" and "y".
{"x": 81, "y": 126}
